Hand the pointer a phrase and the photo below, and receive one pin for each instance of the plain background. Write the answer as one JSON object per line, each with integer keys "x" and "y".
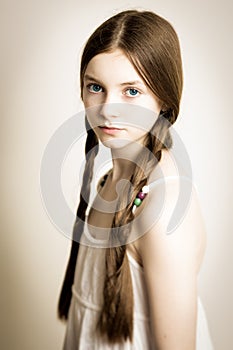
{"x": 41, "y": 42}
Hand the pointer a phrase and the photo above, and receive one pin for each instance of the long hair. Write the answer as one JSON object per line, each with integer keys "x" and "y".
{"x": 152, "y": 46}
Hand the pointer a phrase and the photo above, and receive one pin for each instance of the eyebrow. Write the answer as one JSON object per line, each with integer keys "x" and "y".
{"x": 134, "y": 82}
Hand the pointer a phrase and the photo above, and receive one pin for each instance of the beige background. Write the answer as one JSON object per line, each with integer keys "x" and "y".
{"x": 41, "y": 44}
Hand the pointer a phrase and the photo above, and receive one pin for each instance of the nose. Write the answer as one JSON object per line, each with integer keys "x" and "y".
{"x": 110, "y": 108}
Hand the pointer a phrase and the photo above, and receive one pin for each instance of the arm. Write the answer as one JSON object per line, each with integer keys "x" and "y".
{"x": 171, "y": 263}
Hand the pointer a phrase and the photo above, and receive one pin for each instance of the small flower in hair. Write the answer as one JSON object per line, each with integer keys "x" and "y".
{"x": 140, "y": 196}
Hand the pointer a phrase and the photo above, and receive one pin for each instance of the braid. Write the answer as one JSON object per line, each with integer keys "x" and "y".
{"x": 116, "y": 319}
{"x": 91, "y": 150}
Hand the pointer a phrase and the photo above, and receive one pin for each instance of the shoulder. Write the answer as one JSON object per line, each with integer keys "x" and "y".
{"x": 168, "y": 165}
{"x": 174, "y": 230}
{"x": 169, "y": 224}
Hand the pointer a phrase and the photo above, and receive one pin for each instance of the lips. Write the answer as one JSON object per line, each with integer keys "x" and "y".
{"x": 109, "y": 127}
{"x": 110, "y": 130}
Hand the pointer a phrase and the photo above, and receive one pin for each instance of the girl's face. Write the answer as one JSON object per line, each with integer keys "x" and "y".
{"x": 119, "y": 106}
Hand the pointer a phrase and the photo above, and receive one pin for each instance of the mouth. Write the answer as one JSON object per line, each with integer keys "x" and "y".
{"x": 109, "y": 129}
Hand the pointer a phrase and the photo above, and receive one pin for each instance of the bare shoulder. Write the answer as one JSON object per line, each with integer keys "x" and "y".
{"x": 170, "y": 224}
{"x": 166, "y": 166}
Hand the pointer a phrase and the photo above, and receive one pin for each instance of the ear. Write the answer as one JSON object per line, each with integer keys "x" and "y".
{"x": 167, "y": 114}
{"x": 164, "y": 107}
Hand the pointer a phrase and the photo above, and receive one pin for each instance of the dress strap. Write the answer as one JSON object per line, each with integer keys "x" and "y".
{"x": 171, "y": 177}
{"x": 141, "y": 195}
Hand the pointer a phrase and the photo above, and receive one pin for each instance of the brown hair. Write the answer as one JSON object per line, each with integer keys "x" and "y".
{"x": 152, "y": 46}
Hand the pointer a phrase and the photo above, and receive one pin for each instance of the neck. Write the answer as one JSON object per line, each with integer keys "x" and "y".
{"x": 124, "y": 161}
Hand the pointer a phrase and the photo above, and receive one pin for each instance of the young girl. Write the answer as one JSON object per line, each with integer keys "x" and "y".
{"x": 134, "y": 286}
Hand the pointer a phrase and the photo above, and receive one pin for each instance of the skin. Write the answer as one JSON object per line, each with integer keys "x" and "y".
{"x": 171, "y": 262}
{"x": 116, "y": 102}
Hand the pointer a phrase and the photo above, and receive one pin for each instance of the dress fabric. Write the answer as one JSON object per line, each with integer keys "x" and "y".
{"x": 86, "y": 305}
{"x": 87, "y": 299}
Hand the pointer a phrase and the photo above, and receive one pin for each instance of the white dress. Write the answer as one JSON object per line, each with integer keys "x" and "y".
{"x": 86, "y": 304}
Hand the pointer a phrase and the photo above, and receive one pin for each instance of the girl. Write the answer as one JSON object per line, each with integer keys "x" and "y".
{"x": 137, "y": 289}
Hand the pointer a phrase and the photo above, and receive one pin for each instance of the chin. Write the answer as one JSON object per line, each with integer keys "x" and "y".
{"x": 116, "y": 143}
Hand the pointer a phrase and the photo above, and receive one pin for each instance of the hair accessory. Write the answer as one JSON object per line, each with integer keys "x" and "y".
{"x": 140, "y": 196}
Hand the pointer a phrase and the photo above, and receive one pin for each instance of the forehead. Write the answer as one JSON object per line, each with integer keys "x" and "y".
{"x": 114, "y": 66}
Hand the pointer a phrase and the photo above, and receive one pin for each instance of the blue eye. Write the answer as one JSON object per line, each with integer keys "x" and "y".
{"x": 132, "y": 92}
{"x": 94, "y": 88}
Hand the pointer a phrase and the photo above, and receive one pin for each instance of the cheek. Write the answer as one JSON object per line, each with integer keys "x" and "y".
{"x": 143, "y": 122}
{"x": 93, "y": 114}
{"x": 91, "y": 99}
{"x": 137, "y": 134}
{"x": 155, "y": 104}
{"x": 88, "y": 98}
{"x": 85, "y": 99}
{"x": 91, "y": 117}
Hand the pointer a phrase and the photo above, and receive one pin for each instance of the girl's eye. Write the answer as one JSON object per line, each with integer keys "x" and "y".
{"x": 132, "y": 92}
{"x": 95, "y": 88}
